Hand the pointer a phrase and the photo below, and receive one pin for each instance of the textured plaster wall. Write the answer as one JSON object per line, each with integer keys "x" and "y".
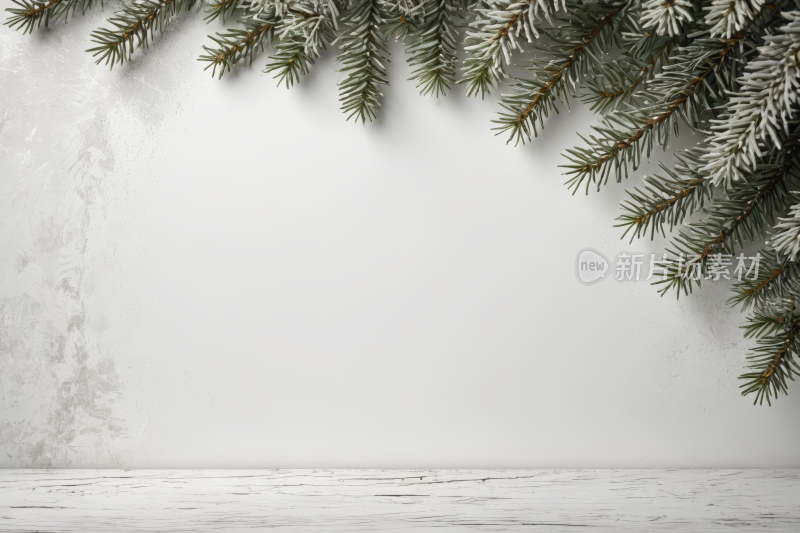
{"x": 204, "y": 273}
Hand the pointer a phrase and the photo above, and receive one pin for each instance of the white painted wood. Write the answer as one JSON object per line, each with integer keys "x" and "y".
{"x": 399, "y": 500}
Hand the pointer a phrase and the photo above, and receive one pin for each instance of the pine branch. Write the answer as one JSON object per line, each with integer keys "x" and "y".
{"x": 495, "y": 33}
{"x": 290, "y": 62}
{"x": 617, "y": 84}
{"x": 433, "y": 50}
{"x": 278, "y": 8}
{"x": 304, "y": 32}
{"x": 773, "y": 361}
{"x": 728, "y": 17}
{"x": 786, "y": 239}
{"x": 665, "y": 16}
{"x": 403, "y": 16}
{"x": 222, "y": 9}
{"x": 761, "y": 324}
{"x": 398, "y": 25}
{"x": 239, "y": 43}
{"x": 364, "y": 51}
{"x": 666, "y": 200}
{"x": 777, "y": 278}
{"x": 31, "y": 14}
{"x": 586, "y": 36}
{"x": 132, "y": 26}
{"x": 681, "y": 91}
{"x": 743, "y": 216}
{"x": 760, "y": 110}
{"x": 638, "y": 42}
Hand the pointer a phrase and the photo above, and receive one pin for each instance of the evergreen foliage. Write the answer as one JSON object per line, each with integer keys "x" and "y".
{"x": 362, "y": 59}
{"x": 728, "y": 70}
{"x": 238, "y": 43}
{"x": 133, "y": 26}
{"x": 31, "y": 14}
{"x": 433, "y": 48}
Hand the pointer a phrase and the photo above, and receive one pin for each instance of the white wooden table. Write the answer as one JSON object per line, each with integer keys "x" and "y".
{"x": 399, "y": 500}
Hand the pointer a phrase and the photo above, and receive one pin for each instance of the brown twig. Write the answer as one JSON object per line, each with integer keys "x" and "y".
{"x": 250, "y": 37}
{"x": 687, "y": 92}
{"x": 556, "y": 76}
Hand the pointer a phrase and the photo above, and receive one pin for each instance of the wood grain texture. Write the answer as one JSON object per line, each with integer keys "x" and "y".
{"x": 399, "y": 500}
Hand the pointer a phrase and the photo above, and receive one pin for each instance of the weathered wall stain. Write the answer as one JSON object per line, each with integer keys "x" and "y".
{"x": 57, "y": 387}
{"x": 60, "y": 380}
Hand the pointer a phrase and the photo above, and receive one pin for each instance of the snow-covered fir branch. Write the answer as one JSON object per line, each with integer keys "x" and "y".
{"x": 497, "y": 31}
{"x": 695, "y": 76}
{"x": 433, "y": 50}
{"x": 306, "y": 29}
{"x": 727, "y": 17}
{"x": 577, "y": 49}
{"x": 665, "y": 16}
{"x": 278, "y": 8}
{"x": 742, "y": 215}
{"x": 786, "y": 237}
{"x": 761, "y": 109}
{"x": 362, "y": 59}
{"x": 402, "y": 17}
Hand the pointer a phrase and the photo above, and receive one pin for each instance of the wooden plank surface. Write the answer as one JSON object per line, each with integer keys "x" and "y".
{"x": 399, "y": 500}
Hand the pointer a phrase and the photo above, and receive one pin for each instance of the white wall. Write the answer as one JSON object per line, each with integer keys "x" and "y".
{"x": 226, "y": 274}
